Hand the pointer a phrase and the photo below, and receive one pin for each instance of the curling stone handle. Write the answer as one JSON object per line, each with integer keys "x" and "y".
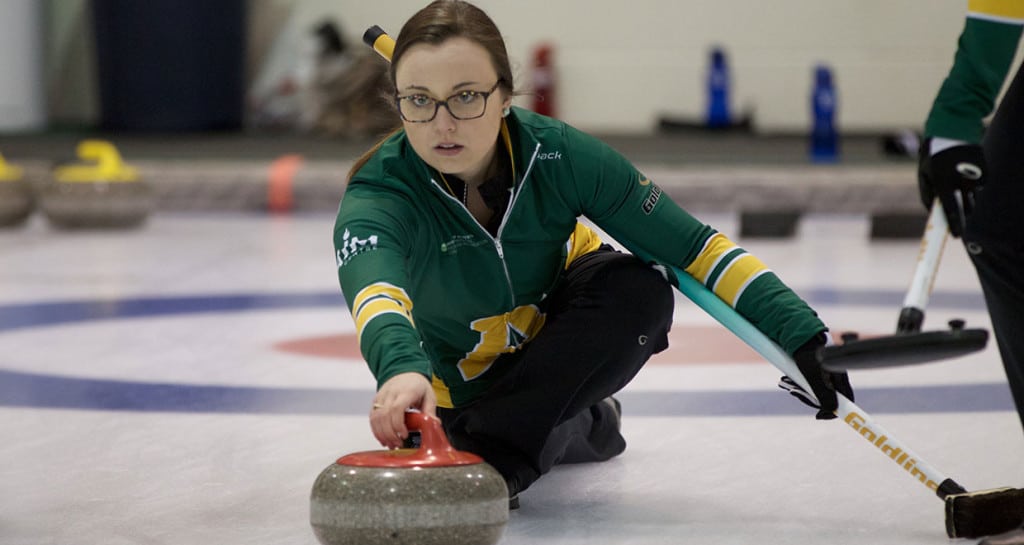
{"x": 9, "y": 172}
{"x": 100, "y": 162}
{"x": 433, "y": 440}
{"x": 434, "y": 451}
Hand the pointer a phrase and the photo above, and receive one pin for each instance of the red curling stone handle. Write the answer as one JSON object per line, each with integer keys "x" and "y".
{"x": 434, "y": 451}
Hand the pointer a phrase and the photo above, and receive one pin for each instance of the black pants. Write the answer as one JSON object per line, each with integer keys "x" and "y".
{"x": 994, "y": 235}
{"x": 610, "y": 313}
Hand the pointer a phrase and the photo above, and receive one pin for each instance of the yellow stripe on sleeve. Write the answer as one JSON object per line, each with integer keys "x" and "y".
{"x": 377, "y": 307}
{"x": 737, "y": 276}
{"x": 715, "y": 247}
{"x": 381, "y": 289}
{"x": 1009, "y": 11}
{"x": 379, "y": 299}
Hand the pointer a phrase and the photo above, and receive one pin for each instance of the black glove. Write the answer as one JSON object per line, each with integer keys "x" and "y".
{"x": 952, "y": 175}
{"x": 824, "y": 383}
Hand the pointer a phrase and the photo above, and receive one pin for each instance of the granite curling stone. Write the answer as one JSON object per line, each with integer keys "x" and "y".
{"x": 433, "y": 495}
{"x": 102, "y": 193}
{"x": 16, "y": 200}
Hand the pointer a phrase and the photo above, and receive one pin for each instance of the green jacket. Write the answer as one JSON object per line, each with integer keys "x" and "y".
{"x": 431, "y": 291}
{"x": 984, "y": 53}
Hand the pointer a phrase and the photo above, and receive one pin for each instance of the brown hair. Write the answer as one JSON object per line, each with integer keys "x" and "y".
{"x": 439, "y": 21}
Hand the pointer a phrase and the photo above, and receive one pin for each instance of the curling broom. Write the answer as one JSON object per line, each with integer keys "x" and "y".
{"x": 968, "y": 514}
{"x": 909, "y": 345}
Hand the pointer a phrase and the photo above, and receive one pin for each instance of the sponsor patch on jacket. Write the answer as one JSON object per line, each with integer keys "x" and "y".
{"x": 352, "y": 246}
{"x": 652, "y": 197}
{"x": 461, "y": 241}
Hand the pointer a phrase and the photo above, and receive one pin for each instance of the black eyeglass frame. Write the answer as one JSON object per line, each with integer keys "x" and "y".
{"x": 438, "y": 103}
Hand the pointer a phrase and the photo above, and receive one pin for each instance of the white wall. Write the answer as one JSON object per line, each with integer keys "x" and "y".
{"x": 623, "y": 64}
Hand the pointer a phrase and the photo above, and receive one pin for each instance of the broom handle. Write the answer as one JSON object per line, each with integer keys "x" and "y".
{"x": 380, "y": 41}
{"x": 932, "y": 243}
{"x": 856, "y": 418}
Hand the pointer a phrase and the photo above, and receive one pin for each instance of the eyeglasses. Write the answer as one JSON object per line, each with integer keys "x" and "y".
{"x": 463, "y": 105}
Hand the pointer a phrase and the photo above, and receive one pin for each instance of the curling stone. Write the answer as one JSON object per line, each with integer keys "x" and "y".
{"x": 100, "y": 193}
{"x": 16, "y": 201}
{"x": 433, "y": 495}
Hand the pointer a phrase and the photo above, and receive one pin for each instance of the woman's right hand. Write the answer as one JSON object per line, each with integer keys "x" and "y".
{"x": 398, "y": 393}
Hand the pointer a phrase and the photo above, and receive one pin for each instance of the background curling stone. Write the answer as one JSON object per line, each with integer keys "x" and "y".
{"x": 433, "y": 495}
{"x": 16, "y": 200}
{"x": 103, "y": 192}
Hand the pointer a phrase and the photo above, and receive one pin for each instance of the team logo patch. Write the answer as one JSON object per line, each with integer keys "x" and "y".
{"x": 352, "y": 246}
